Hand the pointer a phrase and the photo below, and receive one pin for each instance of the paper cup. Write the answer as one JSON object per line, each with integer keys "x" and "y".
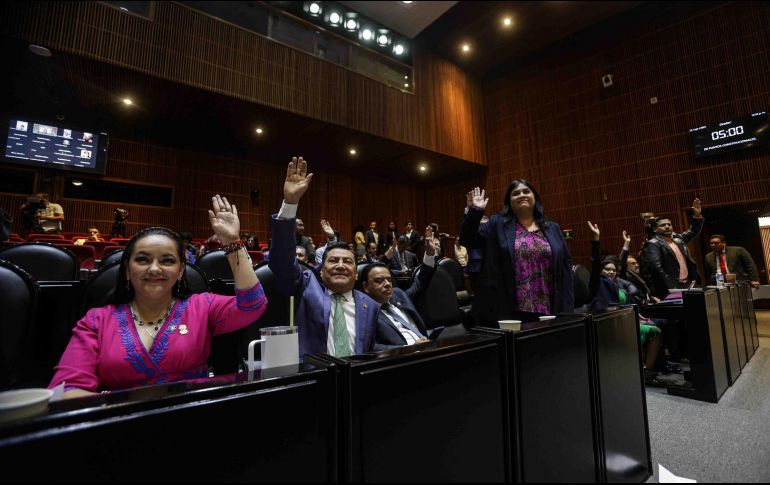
{"x": 23, "y": 403}
{"x": 514, "y": 325}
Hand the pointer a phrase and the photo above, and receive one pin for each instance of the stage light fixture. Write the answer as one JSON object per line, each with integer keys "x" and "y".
{"x": 466, "y": 47}
{"x": 127, "y": 101}
{"x": 335, "y": 19}
{"x": 314, "y": 9}
{"x": 367, "y": 34}
{"x": 399, "y": 49}
{"x": 259, "y": 131}
{"x": 351, "y": 25}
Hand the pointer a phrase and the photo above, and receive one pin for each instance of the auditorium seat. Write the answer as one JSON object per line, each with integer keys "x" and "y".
{"x": 257, "y": 257}
{"x": 215, "y": 265}
{"x": 99, "y": 247}
{"x": 437, "y": 304}
{"x": 111, "y": 254}
{"x": 45, "y": 262}
{"x": 9, "y": 244}
{"x": 120, "y": 241}
{"x": 35, "y": 236}
{"x": 18, "y": 300}
{"x": 84, "y": 254}
{"x": 101, "y": 286}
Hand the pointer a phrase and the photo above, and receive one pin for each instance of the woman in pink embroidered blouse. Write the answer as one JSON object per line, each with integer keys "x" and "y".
{"x": 153, "y": 332}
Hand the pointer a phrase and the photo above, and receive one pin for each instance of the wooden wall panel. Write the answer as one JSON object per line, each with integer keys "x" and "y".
{"x": 606, "y": 155}
{"x": 179, "y": 44}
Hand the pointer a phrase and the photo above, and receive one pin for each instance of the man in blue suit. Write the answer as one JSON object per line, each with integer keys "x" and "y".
{"x": 333, "y": 318}
{"x": 399, "y": 322}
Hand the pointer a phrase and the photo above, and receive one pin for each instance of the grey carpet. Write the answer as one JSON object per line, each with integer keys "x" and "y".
{"x": 724, "y": 442}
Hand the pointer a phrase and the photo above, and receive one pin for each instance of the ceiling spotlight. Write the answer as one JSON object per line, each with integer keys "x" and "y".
{"x": 367, "y": 34}
{"x": 351, "y": 25}
{"x": 423, "y": 168}
{"x": 352, "y": 151}
{"x": 466, "y": 47}
{"x": 77, "y": 183}
{"x": 398, "y": 49}
{"x": 335, "y": 19}
{"x": 406, "y": 85}
{"x": 127, "y": 101}
{"x": 314, "y": 9}
{"x": 259, "y": 131}
{"x": 383, "y": 40}
{"x": 507, "y": 21}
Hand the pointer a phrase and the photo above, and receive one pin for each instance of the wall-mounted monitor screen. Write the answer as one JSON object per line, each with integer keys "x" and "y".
{"x": 726, "y": 136}
{"x": 41, "y": 144}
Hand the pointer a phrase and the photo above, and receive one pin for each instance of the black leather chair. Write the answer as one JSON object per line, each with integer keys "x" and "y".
{"x": 112, "y": 257}
{"x": 18, "y": 300}
{"x": 438, "y": 303}
{"x": 100, "y": 287}
{"x": 43, "y": 261}
{"x": 458, "y": 279}
{"x": 215, "y": 265}
{"x": 581, "y": 284}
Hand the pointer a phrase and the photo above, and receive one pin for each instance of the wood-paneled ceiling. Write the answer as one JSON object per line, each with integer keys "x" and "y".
{"x": 535, "y": 26}
{"x": 88, "y": 95}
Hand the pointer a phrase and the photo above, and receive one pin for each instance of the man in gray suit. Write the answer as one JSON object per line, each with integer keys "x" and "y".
{"x": 730, "y": 260}
{"x": 398, "y": 322}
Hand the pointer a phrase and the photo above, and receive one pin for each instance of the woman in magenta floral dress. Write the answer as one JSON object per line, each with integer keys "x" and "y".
{"x": 526, "y": 264}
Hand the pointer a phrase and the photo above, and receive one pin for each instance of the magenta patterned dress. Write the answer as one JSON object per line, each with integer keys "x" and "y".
{"x": 534, "y": 274}
{"x": 106, "y": 352}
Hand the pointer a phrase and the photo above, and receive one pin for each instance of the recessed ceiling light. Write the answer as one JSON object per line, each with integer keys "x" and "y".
{"x": 423, "y": 168}
{"x": 367, "y": 34}
{"x": 507, "y": 21}
{"x": 351, "y": 25}
{"x": 77, "y": 183}
{"x": 352, "y": 151}
{"x": 314, "y": 8}
{"x": 335, "y": 18}
{"x": 406, "y": 85}
{"x": 466, "y": 47}
{"x": 259, "y": 131}
{"x": 398, "y": 49}
{"x": 127, "y": 101}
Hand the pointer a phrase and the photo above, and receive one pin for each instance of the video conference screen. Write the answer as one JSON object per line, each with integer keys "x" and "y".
{"x": 47, "y": 145}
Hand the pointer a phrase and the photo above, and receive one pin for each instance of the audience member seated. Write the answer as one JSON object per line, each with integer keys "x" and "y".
{"x": 152, "y": 309}
{"x": 301, "y": 254}
{"x": 400, "y": 260}
{"x": 629, "y": 271}
{"x": 731, "y": 260}
{"x": 607, "y": 290}
{"x": 371, "y": 253}
{"x": 399, "y": 323}
{"x": 332, "y": 317}
{"x": 190, "y": 251}
{"x": 93, "y": 235}
{"x": 304, "y": 241}
{"x": 211, "y": 244}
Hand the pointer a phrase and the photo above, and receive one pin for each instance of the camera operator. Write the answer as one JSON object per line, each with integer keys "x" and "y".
{"x": 41, "y": 215}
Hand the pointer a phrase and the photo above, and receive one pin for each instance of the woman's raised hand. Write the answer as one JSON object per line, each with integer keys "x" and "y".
{"x": 594, "y": 229}
{"x": 224, "y": 220}
{"x": 297, "y": 180}
{"x": 478, "y": 199}
{"x": 327, "y": 229}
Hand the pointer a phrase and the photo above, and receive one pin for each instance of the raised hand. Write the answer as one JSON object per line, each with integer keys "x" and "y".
{"x": 696, "y": 208}
{"x": 297, "y": 180}
{"x": 224, "y": 220}
{"x": 626, "y": 240}
{"x": 469, "y": 200}
{"x": 595, "y": 230}
{"x": 478, "y": 199}
{"x": 430, "y": 242}
{"x": 327, "y": 229}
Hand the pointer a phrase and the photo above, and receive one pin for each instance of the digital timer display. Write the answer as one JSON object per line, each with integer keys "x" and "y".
{"x": 726, "y": 136}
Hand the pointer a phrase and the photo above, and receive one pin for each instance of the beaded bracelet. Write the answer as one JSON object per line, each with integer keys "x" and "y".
{"x": 234, "y": 246}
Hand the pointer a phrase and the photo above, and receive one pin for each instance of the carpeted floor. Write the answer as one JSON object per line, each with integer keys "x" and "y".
{"x": 724, "y": 442}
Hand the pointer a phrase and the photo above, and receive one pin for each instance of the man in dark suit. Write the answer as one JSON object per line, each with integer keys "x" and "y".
{"x": 413, "y": 237}
{"x": 399, "y": 323}
{"x": 400, "y": 260}
{"x": 667, "y": 262}
{"x": 730, "y": 260}
{"x": 332, "y": 317}
{"x": 372, "y": 236}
